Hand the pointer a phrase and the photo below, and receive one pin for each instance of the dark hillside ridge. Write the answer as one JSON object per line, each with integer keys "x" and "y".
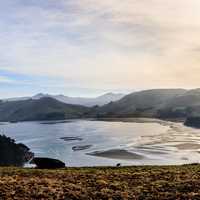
{"x": 139, "y": 104}
{"x": 42, "y": 109}
{"x": 157, "y": 103}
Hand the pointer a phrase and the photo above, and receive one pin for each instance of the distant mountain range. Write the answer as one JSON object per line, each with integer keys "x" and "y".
{"x": 157, "y": 103}
{"x": 100, "y": 100}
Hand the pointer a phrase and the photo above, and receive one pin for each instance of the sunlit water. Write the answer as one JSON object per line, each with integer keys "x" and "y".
{"x": 158, "y": 142}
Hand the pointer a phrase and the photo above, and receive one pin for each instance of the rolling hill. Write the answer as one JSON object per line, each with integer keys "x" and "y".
{"x": 137, "y": 104}
{"x": 159, "y": 103}
{"x": 84, "y": 101}
{"x": 39, "y": 109}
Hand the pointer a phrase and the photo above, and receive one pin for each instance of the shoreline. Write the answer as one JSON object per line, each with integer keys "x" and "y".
{"x": 140, "y": 119}
{"x": 111, "y": 119}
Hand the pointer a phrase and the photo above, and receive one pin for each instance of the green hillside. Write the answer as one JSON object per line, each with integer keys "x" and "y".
{"x": 41, "y": 109}
{"x": 158, "y": 103}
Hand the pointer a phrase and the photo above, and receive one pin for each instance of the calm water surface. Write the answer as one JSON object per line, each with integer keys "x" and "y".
{"x": 158, "y": 142}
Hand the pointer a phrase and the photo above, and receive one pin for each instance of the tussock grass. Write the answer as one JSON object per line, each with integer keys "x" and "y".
{"x": 141, "y": 182}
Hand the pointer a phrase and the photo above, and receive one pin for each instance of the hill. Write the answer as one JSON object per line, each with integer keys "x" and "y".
{"x": 39, "y": 109}
{"x": 157, "y": 103}
{"x": 184, "y": 105}
{"x": 146, "y": 103}
{"x": 89, "y": 102}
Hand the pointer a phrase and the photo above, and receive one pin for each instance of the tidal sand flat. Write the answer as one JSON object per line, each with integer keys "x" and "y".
{"x": 117, "y": 154}
{"x": 56, "y": 122}
{"x": 136, "y": 120}
{"x": 151, "y": 150}
{"x": 190, "y": 146}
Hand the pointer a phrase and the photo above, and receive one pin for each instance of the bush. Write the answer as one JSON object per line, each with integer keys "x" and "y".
{"x": 12, "y": 154}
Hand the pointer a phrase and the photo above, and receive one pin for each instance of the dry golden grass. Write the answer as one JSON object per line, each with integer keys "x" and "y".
{"x": 149, "y": 182}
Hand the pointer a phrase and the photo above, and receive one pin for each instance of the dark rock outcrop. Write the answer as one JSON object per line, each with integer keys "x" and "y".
{"x": 193, "y": 122}
{"x": 81, "y": 147}
{"x": 47, "y": 163}
{"x": 71, "y": 138}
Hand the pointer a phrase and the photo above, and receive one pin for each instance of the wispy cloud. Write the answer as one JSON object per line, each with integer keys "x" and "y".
{"x": 109, "y": 43}
{"x": 4, "y": 79}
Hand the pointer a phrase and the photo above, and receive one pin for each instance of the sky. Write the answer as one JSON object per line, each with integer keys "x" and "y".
{"x": 89, "y": 47}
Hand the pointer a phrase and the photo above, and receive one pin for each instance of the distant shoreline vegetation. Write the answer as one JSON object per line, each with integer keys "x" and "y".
{"x": 13, "y": 154}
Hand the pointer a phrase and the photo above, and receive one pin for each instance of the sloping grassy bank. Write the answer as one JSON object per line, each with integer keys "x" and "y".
{"x": 148, "y": 182}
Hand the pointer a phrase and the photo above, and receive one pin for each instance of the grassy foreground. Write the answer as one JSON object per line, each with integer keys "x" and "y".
{"x": 148, "y": 182}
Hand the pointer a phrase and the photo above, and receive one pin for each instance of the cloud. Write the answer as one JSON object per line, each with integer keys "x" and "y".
{"x": 4, "y": 79}
{"x": 109, "y": 43}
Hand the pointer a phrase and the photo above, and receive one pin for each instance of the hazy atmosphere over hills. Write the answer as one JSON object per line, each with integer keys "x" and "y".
{"x": 100, "y": 100}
